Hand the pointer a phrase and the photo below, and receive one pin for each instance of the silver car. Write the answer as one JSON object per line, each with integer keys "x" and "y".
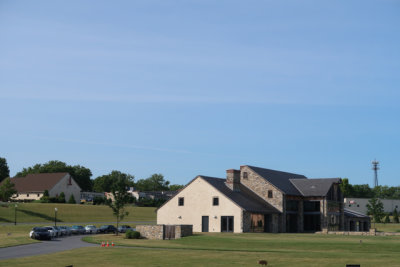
{"x": 91, "y": 229}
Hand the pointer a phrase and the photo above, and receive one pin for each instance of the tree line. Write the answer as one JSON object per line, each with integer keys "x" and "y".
{"x": 83, "y": 175}
{"x": 364, "y": 191}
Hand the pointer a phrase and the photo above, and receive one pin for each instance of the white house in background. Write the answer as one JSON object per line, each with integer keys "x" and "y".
{"x": 360, "y": 204}
{"x": 32, "y": 186}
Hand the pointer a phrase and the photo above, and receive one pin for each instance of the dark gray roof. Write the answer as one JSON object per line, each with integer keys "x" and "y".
{"x": 279, "y": 179}
{"x": 354, "y": 214}
{"x": 246, "y": 199}
{"x": 314, "y": 187}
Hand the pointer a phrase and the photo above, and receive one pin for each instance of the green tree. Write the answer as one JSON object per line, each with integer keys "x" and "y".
{"x": 7, "y": 189}
{"x": 4, "y": 170}
{"x": 121, "y": 182}
{"x": 105, "y": 183}
{"x": 395, "y": 216}
{"x": 346, "y": 187}
{"x": 72, "y": 200}
{"x": 61, "y": 197}
{"x": 375, "y": 208}
{"x": 156, "y": 182}
{"x": 175, "y": 187}
{"x": 362, "y": 191}
{"x": 387, "y": 218}
{"x": 80, "y": 174}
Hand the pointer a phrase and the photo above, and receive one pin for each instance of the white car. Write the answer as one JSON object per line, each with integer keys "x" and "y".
{"x": 53, "y": 231}
{"x": 91, "y": 229}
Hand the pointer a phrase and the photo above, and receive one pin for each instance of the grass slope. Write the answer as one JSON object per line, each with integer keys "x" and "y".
{"x": 232, "y": 250}
{"x": 44, "y": 212}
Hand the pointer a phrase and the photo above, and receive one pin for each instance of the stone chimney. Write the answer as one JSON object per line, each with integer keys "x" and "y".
{"x": 233, "y": 179}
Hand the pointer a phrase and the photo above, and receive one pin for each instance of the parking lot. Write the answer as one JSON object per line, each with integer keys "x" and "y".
{"x": 55, "y": 245}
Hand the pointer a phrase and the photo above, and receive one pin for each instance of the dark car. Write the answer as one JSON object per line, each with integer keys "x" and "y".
{"x": 124, "y": 228}
{"x": 77, "y": 230}
{"x": 108, "y": 229}
{"x": 41, "y": 233}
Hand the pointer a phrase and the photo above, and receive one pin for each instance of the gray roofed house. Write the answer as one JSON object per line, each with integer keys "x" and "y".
{"x": 244, "y": 198}
{"x": 314, "y": 187}
{"x": 254, "y": 199}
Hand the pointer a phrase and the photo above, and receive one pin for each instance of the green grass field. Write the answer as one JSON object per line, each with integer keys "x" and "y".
{"x": 224, "y": 249}
{"x": 68, "y": 213}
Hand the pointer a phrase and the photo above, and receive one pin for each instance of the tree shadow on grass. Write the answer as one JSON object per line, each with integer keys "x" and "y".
{"x": 4, "y": 220}
{"x": 40, "y": 215}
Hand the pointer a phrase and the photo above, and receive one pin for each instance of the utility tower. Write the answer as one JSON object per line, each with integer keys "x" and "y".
{"x": 375, "y": 167}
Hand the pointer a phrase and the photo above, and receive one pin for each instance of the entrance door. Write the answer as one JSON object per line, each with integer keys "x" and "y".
{"x": 268, "y": 223}
{"x": 204, "y": 223}
{"x": 226, "y": 223}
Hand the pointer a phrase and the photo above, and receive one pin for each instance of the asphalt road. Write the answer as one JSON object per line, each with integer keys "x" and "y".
{"x": 44, "y": 247}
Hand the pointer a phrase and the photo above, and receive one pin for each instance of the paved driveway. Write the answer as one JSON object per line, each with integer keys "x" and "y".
{"x": 45, "y": 247}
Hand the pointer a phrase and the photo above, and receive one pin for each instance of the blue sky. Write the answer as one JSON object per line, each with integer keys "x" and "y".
{"x": 197, "y": 87}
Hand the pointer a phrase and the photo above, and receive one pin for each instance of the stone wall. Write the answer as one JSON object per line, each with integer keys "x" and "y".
{"x": 157, "y": 231}
{"x": 246, "y": 221}
{"x": 260, "y": 186}
{"x": 151, "y": 231}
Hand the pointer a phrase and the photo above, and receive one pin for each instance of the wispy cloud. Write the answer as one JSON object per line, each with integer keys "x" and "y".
{"x": 97, "y": 143}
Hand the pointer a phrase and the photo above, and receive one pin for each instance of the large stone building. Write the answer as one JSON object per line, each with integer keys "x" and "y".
{"x": 32, "y": 186}
{"x": 255, "y": 199}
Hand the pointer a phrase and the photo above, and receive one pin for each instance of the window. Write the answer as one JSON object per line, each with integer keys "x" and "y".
{"x": 215, "y": 201}
{"x": 38, "y": 195}
{"x": 181, "y": 201}
{"x": 27, "y": 195}
{"x": 69, "y": 181}
{"x": 269, "y": 193}
{"x": 349, "y": 205}
{"x": 245, "y": 175}
{"x": 358, "y": 206}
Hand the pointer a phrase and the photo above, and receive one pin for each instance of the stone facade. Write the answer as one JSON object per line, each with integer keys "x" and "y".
{"x": 157, "y": 231}
{"x": 262, "y": 187}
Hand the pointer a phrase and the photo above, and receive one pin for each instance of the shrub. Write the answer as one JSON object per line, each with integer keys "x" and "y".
{"x": 130, "y": 234}
{"x": 72, "y": 200}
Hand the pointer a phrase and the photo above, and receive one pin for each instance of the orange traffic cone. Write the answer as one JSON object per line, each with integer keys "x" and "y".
{"x": 108, "y": 244}
{"x": 112, "y": 244}
{"x": 102, "y": 243}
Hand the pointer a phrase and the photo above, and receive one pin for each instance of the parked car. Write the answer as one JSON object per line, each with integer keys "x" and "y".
{"x": 53, "y": 231}
{"x": 124, "y": 228}
{"x": 77, "y": 230}
{"x": 91, "y": 229}
{"x": 108, "y": 229}
{"x": 65, "y": 230}
{"x": 40, "y": 233}
{"x": 59, "y": 230}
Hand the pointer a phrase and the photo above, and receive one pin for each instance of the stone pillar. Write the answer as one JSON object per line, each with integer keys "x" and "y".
{"x": 300, "y": 217}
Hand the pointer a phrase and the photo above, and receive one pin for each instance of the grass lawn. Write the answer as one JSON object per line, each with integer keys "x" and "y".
{"x": 15, "y": 235}
{"x": 44, "y": 212}
{"x": 387, "y": 227}
{"x": 225, "y": 249}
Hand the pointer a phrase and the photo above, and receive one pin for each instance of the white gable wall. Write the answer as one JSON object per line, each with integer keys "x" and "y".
{"x": 64, "y": 186}
{"x": 198, "y": 202}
